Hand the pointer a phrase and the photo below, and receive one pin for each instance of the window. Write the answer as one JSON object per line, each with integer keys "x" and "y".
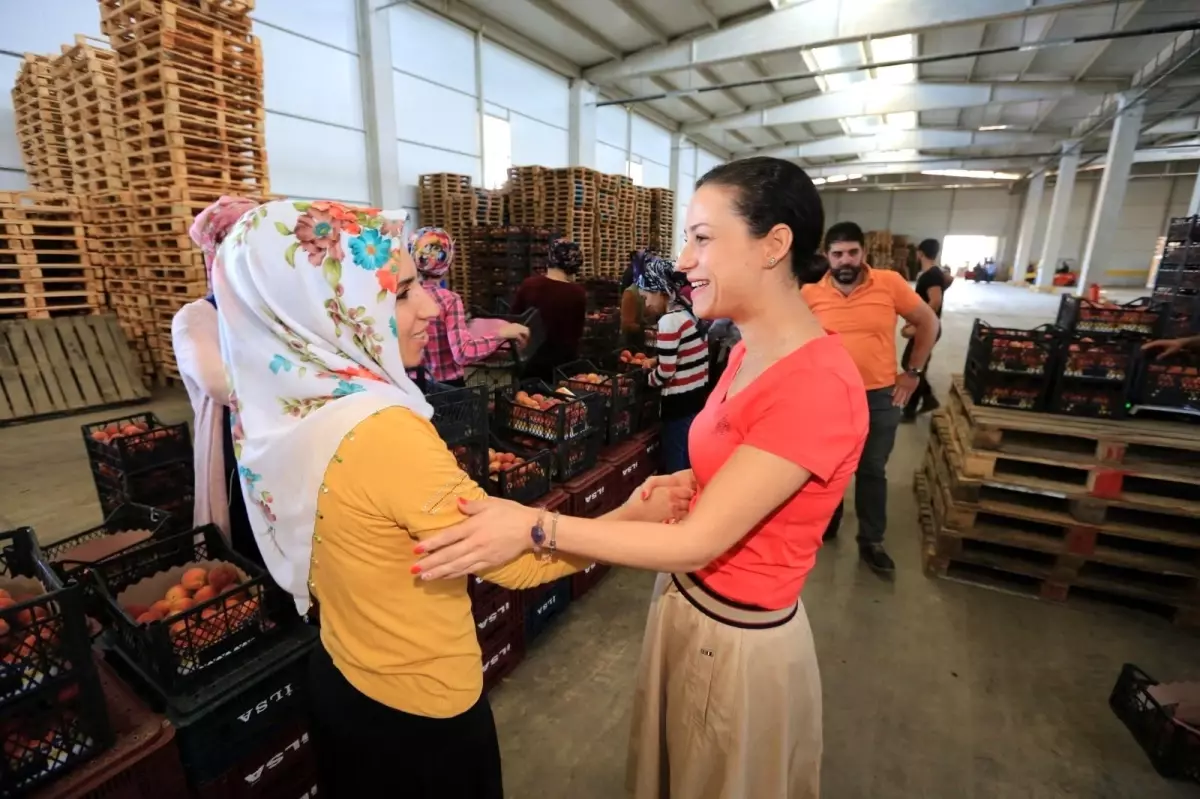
{"x": 634, "y": 172}
{"x": 497, "y": 151}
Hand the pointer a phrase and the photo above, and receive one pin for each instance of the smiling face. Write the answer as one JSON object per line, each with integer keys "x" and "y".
{"x": 722, "y": 260}
{"x": 415, "y": 308}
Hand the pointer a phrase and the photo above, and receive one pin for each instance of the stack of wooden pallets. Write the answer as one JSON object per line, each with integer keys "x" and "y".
{"x": 527, "y": 196}
{"x": 662, "y": 221}
{"x": 490, "y": 207}
{"x": 879, "y": 249}
{"x": 1062, "y": 508}
{"x": 85, "y": 76}
{"x": 642, "y": 213}
{"x": 189, "y": 105}
{"x": 448, "y": 201}
{"x": 44, "y": 149}
{"x": 44, "y": 266}
{"x": 614, "y": 231}
{"x": 570, "y": 210}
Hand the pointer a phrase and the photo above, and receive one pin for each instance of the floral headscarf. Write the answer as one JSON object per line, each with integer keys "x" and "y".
{"x": 658, "y": 276}
{"x": 433, "y": 251}
{"x": 308, "y": 336}
{"x": 565, "y": 254}
{"x": 213, "y": 223}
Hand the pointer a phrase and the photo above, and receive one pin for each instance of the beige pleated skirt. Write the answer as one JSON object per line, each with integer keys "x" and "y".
{"x": 723, "y": 712}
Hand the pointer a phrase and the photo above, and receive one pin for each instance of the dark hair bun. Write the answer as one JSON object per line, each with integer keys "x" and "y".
{"x": 773, "y": 192}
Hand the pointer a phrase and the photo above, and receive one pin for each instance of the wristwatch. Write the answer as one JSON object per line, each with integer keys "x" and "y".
{"x": 915, "y": 372}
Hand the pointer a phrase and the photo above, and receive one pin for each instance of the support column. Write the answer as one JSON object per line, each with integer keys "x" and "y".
{"x": 1117, "y": 164}
{"x": 582, "y": 150}
{"x": 1029, "y": 220}
{"x": 1060, "y": 208}
{"x": 379, "y": 106}
{"x": 674, "y": 180}
{"x": 1194, "y": 203}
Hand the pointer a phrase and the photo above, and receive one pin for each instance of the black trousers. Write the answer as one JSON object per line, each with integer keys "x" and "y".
{"x": 924, "y": 392}
{"x": 367, "y": 749}
{"x": 241, "y": 534}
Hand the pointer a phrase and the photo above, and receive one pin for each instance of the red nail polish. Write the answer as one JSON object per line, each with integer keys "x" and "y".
{"x": 415, "y": 569}
{"x": 461, "y": 502}
{"x": 645, "y": 496}
{"x": 419, "y": 550}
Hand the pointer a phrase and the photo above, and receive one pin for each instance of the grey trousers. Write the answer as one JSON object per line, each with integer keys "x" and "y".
{"x": 870, "y": 481}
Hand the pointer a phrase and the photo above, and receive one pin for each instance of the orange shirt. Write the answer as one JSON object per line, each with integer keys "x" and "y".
{"x": 809, "y": 408}
{"x": 865, "y": 319}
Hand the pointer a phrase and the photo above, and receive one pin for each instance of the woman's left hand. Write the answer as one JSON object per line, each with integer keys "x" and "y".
{"x": 495, "y": 532}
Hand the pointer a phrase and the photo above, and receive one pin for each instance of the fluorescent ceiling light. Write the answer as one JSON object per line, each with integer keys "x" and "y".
{"x": 851, "y": 189}
{"x": 818, "y": 181}
{"x": 841, "y": 178}
{"x": 995, "y": 127}
{"x": 981, "y": 174}
{"x": 905, "y": 120}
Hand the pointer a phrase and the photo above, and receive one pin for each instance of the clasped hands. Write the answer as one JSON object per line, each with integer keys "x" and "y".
{"x": 497, "y": 531}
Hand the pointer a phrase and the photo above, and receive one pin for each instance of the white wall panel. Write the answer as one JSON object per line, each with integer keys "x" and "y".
{"x": 535, "y": 142}
{"x": 431, "y": 47}
{"x": 10, "y": 150}
{"x": 650, "y": 140}
{"x": 706, "y": 161}
{"x": 418, "y": 160}
{"x": 1144, "y": 214}
{"x": 609, "y": 159}
{"x": 922, "y": 214}
{"x": 455, "y": 125}
{"x": 980, "y": 212}
{"x": 522, "y": 86}
{"x": 612, "y": 126}
{"x": 13, "y": 180}
{"x": 28, "y": 27}
{"x": 331, "y": 21}
{"x": 310, "y": 80}
{"x": 308, "y": 159}
{"x": 655, "y": 175}
{"x": 870, "y": 209}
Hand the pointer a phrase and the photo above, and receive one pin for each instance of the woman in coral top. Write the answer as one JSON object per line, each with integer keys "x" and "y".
{"x": 322, "y": 310}
{"x": 728, "y": 700}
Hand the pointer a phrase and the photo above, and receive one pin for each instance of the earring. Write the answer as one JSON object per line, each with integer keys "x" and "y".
{"x": 770, "y": 262}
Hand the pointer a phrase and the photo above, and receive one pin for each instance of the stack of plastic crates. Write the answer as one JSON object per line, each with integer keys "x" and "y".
{"x": 139, "y": 459}
{"x": 1011, "y": 368}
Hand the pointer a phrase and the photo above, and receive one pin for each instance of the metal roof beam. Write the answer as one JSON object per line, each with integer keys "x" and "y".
{"x": 815, "y": 23}
{"x": 905, "y": 140}
{"x": 498, "y": 32}
{"x": 891, "y": 99}
{"x": 1012, "y": 163}
{"x": 639, "y": 15}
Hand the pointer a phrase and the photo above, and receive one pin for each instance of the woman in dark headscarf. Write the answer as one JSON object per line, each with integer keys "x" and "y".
{"x": 562, "y": 304}
{"x": 682, "y": 369}
{"x": 633, "y": 309}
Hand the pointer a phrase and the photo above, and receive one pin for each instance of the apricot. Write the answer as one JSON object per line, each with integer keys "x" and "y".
{"x": 180, "y": 605}
{"x": 222, "y": 576}
{"x": 162, "y": 607}
{"x": 177, "y": 592}
{"x": 204, "y": 594}
{"x": 4, "y": 628}
{"x": 134, "y": 611}
{"x": 149, "y": 616}
{"x": 194, "y": 579}
{"x": 4, "y": 594}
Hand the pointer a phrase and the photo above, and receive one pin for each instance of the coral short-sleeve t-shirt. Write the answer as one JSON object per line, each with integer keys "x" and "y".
{"x": 809, "y": 408}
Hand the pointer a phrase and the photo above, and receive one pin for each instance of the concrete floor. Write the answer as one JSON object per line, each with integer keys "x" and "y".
{"x": 932, "y": 689}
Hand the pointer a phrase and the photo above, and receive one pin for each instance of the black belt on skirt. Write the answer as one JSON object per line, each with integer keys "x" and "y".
{"x": 726, "y": 611}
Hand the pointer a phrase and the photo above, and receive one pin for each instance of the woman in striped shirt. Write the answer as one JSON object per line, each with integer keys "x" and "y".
{"x": 682, "y": 369}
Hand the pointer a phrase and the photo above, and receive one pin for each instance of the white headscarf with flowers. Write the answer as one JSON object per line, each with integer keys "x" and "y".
{"x": 307, "y": 299}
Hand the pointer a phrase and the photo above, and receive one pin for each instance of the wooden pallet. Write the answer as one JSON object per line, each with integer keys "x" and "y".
{"x": 57, "y": 366}
{"x": 45, "y": 151}
{"x": 1115, "y": 454}
{"x": 1030, "y": 563}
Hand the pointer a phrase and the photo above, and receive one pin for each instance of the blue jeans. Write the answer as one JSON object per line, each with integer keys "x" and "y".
{"x": 675, "y": 444}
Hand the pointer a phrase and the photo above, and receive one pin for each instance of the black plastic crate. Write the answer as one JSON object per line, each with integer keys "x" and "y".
{"x": 472, "y": 457}
{"x": 1181, "y": 312}
{"x": 1017, "y": 391}
{"x": 1183, "y": 229}
{"x": 572, "y": 457}
{"x": 621, "y": 393}
{"x": 224, "y": 719}
{"x": 1079, "y": 315}
{"x": 169, "y": 487}
{"x": 521, "y": 482}
{"x": 188, "y": 648}
{"x": 1179, "y": 258}
{"x": 51, "y": 731}
{"x": 650, "y": 408}
{"x": 1173, "y": 749}
{"x": 1013, "y": 351}
{"x": 1088, "y": 398}
{"x": 569, "y": 417}
{"x": 1170, "y": 382}
{"x": 603, "y": 323}
{"x": 459, "y": 414}
{"x": 52, "y": 711}
{"x": 542, "y": 605}
{"x": 622, "y": 360}
{"x": 125, "y": 518}
{"x": 133, "y": 443}
{"x": 1106, "y": 358}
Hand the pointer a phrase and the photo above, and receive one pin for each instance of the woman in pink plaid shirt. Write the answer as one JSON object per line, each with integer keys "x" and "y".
{"x": 452, "y": 346}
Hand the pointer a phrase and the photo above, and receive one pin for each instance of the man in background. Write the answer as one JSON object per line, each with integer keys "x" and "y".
{"x": 862, "y": 305}
{"x": 932, "y": 283}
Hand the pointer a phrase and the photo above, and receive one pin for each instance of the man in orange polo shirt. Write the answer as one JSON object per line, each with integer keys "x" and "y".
{"x": 863, "y": 305}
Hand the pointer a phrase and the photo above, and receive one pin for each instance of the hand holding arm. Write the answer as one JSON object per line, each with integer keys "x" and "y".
{"x": 925, "y": 329}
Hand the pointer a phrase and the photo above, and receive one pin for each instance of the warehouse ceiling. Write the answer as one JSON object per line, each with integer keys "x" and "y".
{"x": 872, "y": 87}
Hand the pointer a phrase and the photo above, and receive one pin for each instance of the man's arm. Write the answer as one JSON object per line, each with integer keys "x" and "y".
{"x": 935, "y": 298}
{"x": 1170, "y": 346}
